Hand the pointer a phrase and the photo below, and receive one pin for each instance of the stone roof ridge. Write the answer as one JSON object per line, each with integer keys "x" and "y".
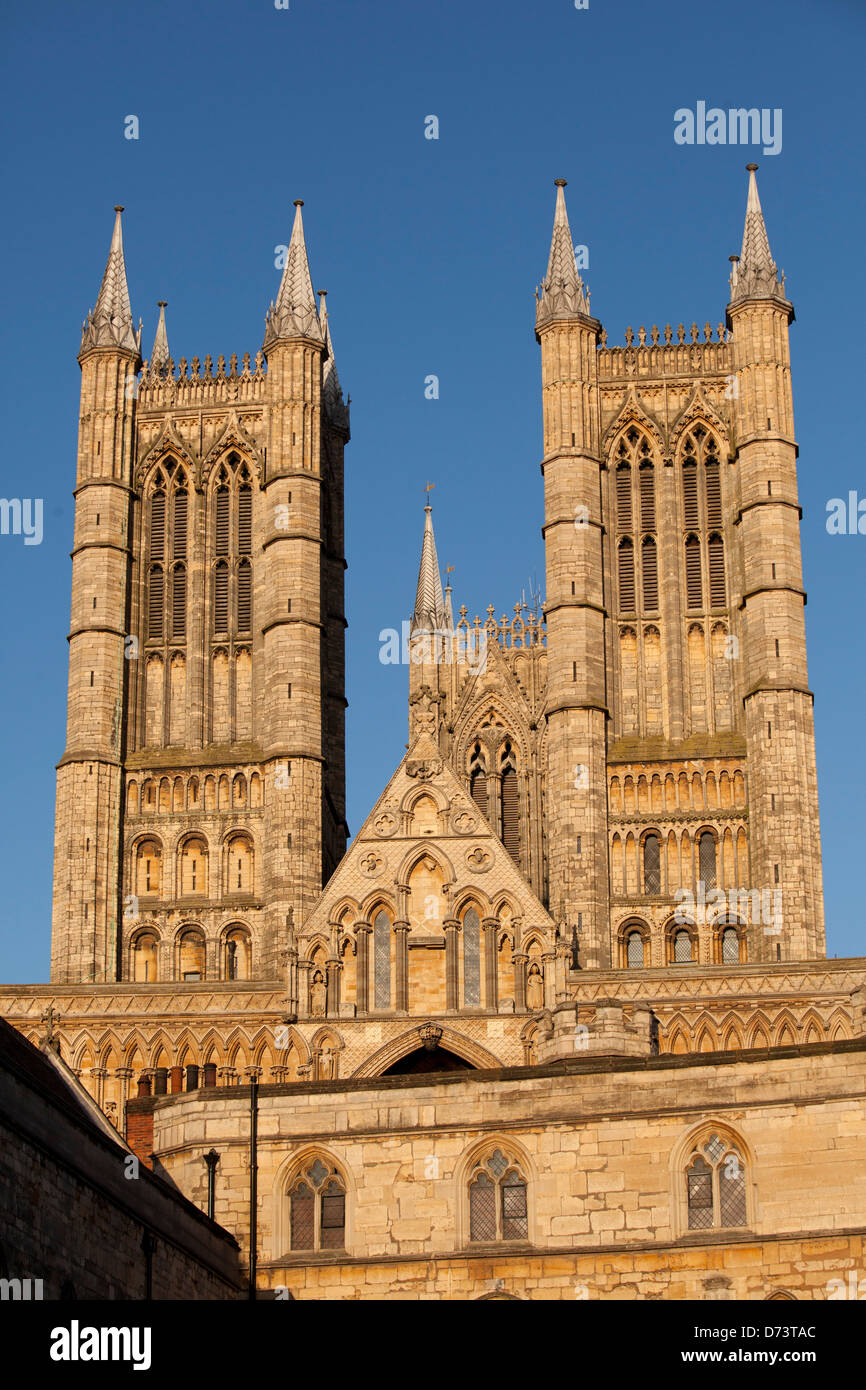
{"x": 295, "y": 314}
{"x": 109, "y": 324}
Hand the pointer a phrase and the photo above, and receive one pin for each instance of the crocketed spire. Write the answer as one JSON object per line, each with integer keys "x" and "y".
{"x": 160, "y": 355}
{"x": 109, "y": 325}
{"x": 294, "y": 315}
{"x": 335, "y": 407}
{"x": 755, "y": 275}
{"x": 430, "y": 614}
{"x": 563, "y": 293}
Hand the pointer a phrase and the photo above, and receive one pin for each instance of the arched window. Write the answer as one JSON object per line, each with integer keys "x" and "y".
{"x": 478, "y": 779}
{"x": 145, "y": 957}
{"x": 730, "y": 946}
{"x": 317, "y": 1208}
{"x": 221, "y": 518}
{"x": 634, "y": 950}
{"x": 510, "y": 804}
{"x": 191, "y": 956}
{"x": 690, "y": 490}
{"x": 245, "y": 596}
{"x": 647, "y": 497}
{"x": 650, "y": 574}
{"x": 497, "y": 1201}
{"x": 716, "y": 552}
{"x": 239, "y": 865}
{"x": 694, "y": 588}
{"x": 236, "y": 947}
{"x": 221, "y": 598}
{"x": 245, "y": 519}
{"x": 712, "y": 481}
{"x": 155, "y": 601}
{"x": 623, "y": 497}
{"x": 157, "y": 523}
{"x": 625, "y": 571}
{"x": 707, "y": 859}
{"x": 382, "y": 960}
{"x": 178, "y": 603}
{"x": 682, "y": 947}
{"x": 181, "y": 506}
{"x": 471, "y": 959}
{"x": 652, "y": 867}
{"x": 193, "y": 867}
{"x": 148, "y": 869}
{"x": 716, "y": 1186}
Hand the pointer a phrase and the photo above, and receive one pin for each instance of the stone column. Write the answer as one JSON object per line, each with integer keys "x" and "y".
{"x": 362, "y": 985}
{"x": 549, "y": 965}
{"x": 452, "y": 938}
{"x": 401, "y": 938}
{"x": 335, "y": 969}
{"x": 304, "y": 971}
{"x": 490, "y": 926}
{"x": 520, "y": 959}
{"x": 124, "y": 1075}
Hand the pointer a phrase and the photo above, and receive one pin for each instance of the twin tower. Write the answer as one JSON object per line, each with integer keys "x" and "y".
{"x": 664, "y": 750}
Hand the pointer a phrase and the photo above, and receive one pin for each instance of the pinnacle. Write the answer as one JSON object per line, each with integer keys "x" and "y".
{"x": 110, "y": 323}
{"x": 563, "y": 293}
{"x": 332, "y": 392}
{"x": 294, "y": 314}
{"x": 755, "y": 275}
{"x": 430, "y": 614}
{"x": 160, "y": 355}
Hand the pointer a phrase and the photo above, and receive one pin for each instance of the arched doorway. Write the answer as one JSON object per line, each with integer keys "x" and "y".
{"x": 428, "y": 1059}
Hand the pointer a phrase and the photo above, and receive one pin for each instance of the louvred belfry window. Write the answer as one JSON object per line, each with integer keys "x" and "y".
{"x": 498, "y": 1209}
{"x": 647, "y": 497}
{"x": 478, "y": 780}
{"x": 317, "y": 1209}
{"x": 623, "y": 497}
{"x": 716, "y": 1186}
{"x": 222, "y": 520}
{"x": 690, "y": 492}
{"x": 155, "y": 596}
{"x": 181, "y": 501}
{"x": 713, "y": 486}
{"x": 157, "y": 525}
{"x": 716, "y": 553}
{"x": 178, "y": 602}
{"x": 510, "y": 805}
{"x": 221, "y": 598}
{"x": 650, "y": 571}
{"x": 625, "y": 567}
{"x": 694, "y": 589}
{"x": 245, "y": 520}
{"x": 244, "y": 596}
{"x": 233, "y": 543}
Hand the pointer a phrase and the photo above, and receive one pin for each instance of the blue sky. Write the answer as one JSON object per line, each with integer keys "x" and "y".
{"x": 430, "y": 252}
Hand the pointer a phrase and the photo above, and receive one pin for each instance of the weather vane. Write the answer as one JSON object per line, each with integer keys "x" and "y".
{"x": 428, "y": 489}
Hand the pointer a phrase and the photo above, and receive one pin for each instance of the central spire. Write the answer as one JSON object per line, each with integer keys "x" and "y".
{"x": 563, "y": 293}
{"x": 430, "y": 614}
{"x": 294, "y": 315}
{"x": 109, "y": 325}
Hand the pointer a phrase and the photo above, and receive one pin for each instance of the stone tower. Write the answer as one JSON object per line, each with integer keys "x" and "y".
{"x": 201, "y": 796}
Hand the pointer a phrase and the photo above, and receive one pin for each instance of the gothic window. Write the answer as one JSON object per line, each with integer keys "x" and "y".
{"x": 155, "y": 595}
{"x": 510, "y": 804}
{"x": 478, "y": 779}
{"x": 625, "y": 570}
{"x": 221, "y": 520}
{"x": 716, "y": 1186}
{"x": 647, "y": 497}
{"x": 382, "y": 960}
{"x": 650, "y": 574}
{"x": 634, "y": 950}
{"x": 148, "y": 869}
{"x": 712, "y": 483}
{"x": 730, "y": 946}
{"x": 245, "y": 519}
{"x": 317, "y": 1209}
{"x": 178, "y": 602}
{"x": 244, "y": 596}
{"x": 716, "y": 554}
{"x": 623, "y": 497}
{"x": 157, "y": 523}
{"x": 694, "y": 588}
{"x": 181, "y": 500}
{"x": 221, "y": 599}
{"x": 497, "y": 1201}
{"x": 707, "y": 859}
{"x": 690, "y": 491}
{"x": 471, "y": 959}
{"x": 652, "y": 870}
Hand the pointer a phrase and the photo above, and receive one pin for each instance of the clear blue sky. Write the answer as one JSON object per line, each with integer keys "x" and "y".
{"x": 430, "y": 251}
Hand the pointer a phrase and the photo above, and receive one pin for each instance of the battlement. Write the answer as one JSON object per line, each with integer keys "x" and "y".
{"x": 197, "y": 383}
{"x": 698, "y": 357}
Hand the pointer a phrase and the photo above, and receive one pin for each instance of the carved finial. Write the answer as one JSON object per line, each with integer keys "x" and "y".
{"x": 641, "y": 336}
{"x": 654, "y": 334}
{"x": 694, "y": 332}
{"x": 708, "y": 332}
{"x": 669, "y": 333}
{"x": 629, "y": 336}
{"x": 681, "y": 333}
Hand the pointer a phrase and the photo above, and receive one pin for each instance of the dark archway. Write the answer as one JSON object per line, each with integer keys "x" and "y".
{"x": 424, "y": 1059}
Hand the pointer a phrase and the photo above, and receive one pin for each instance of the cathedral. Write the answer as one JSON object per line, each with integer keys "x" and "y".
{"x": 559, "y": 1022}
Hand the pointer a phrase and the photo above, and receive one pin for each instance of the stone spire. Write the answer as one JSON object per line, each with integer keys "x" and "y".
{"x": 430, "y": 614}
{"x": 294, "y": 315}
{"x": 109, "y": 325}
{"x": 332, "y": 392}
{"x": 160, "y": 355}
{"x": 755, "y": 275}
{"x": 563, "y": 293}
